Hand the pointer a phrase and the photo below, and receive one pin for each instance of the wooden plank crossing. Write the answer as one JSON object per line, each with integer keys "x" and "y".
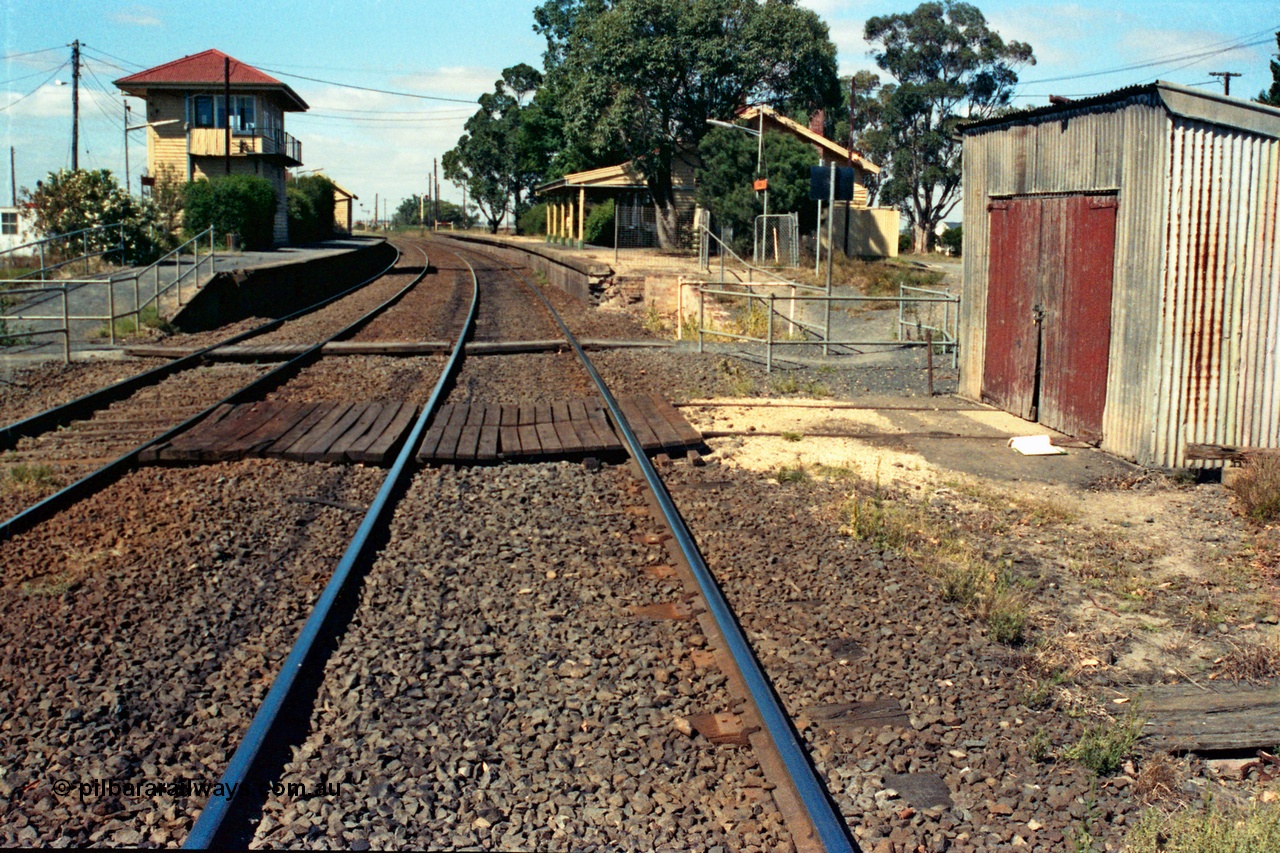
{"x": 304, "y": 432}
{"x": 343, "y": 431}
{"x": 479, "y": 432}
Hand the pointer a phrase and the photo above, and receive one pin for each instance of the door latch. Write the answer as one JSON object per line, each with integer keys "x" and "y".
{"x": 1037, "y": 313}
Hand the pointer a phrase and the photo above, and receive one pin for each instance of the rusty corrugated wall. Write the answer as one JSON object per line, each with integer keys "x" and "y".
{"x": 1218, "y": 381}
{"x": 1122, "y": 149}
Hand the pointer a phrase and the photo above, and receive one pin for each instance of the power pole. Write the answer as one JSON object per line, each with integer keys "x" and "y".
{"x": 435, "y": 170}
{"x": 226, "y": 108}
{"x": 126, "y": 144}
{"x": 75, "y": 105}
{"x": 13, "y": 180}
{"x": 1226, "y": 79}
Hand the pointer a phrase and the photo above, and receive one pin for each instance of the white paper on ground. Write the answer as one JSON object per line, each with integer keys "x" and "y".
{"x": 1035, "y": 445}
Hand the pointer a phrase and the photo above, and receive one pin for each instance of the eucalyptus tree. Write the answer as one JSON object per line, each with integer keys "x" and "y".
{"x": 949, "y": 67}
{"x": 638, "y": 79}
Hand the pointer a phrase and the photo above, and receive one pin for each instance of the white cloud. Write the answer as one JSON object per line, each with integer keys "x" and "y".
{"x": 137, "y": 16}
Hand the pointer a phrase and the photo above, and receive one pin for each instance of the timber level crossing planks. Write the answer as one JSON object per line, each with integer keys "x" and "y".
{"x": 372, "y": 433}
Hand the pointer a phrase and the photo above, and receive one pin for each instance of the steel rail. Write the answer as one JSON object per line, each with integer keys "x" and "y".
{"x": 108, "y": 473}
{"x": 225, "y": 820}
{"x": 65, "y": 413}
{"x": 831, "y": 830}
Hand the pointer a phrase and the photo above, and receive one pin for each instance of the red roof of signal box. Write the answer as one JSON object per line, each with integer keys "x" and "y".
{"x": 207, "y": 69}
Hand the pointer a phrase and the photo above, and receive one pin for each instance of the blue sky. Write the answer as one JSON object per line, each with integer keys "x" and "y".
{"x": 384, "y": 144}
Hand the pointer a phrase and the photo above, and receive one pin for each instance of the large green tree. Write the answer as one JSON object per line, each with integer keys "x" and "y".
{"x": 728, "y": 167}
{"x": 1271, "y": 96}
{"x": 503, "y": 153}
{"x": 949, "y": 67}
{"x": 638, "y": 79}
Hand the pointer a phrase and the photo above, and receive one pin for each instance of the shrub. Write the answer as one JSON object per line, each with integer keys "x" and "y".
{"x": 1258, "y": 488}
{"x": 309, "y": 201}
{"x": 67, "y": 201}
{"x": 1218, "y": 828}
{"x": 1104, "y": 746}
{"x": 533, "y": 220}
{"x": 243, "y": 205}
{"x": 953, "y": 240}
{"x": 906, "y": 242}
{"x": 598, "y": 229}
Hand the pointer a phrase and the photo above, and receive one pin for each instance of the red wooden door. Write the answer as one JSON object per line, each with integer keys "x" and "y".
{"x": 1008, "y": 376}
{"x": 1049, "y": 310}
{"x": 1077, "y": 319}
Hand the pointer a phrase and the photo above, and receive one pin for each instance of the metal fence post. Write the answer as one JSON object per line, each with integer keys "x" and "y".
{"x": 111, "y": 310}
{"x": 137, "y": 306}
{"x": 66, "y": 329}
{"x": 702, "y": 301}
{"x": 84, "y": 249}
{"x": 42, "y": 262}
{"x": 768, "y": 347}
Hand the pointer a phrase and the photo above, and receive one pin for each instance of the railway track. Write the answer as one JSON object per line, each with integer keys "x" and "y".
{"x": 89, "y": 441}
{"x": 529, "y": 646}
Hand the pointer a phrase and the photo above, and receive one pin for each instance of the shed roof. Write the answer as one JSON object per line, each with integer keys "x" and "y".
{"x": 207, "y": 69}
{"x": 834, "y": 149}
{"x": 341, "y": 189}
{"x": 1183, "y": 101}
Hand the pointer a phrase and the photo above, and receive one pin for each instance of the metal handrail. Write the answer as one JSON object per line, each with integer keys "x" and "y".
{"x": 948, "y": 341}
{"x": 751, "y": 267}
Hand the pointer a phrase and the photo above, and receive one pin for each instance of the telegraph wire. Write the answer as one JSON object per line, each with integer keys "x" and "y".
{"x": 1251, "y": 40}
{"x": 31, "y": 53}
{"x": 37, "y": 88}
{"x": 367, "y": 88}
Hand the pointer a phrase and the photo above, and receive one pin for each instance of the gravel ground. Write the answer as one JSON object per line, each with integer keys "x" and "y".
{"x": 31, "y": 390}
{"x": 525, "y": 378}
{"x": 836, "y": 620}
{"x": 60, "y": 457}
{"x": 432, "y": 311}
{"x": 375, "y": 378}
{"x": 494, "y": 690}
{"x": 139, "y": 630}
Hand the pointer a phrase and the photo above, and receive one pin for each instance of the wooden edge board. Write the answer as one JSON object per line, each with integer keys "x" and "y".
{"x": 337, "y": 451}
{"x": 530, "y": 445}
{"x": 448, "y": 447}
{"x": 299, "y": 429}
{"x": 315, "y": 432}
{"x": 314, "y": 451}
{"x": 488, "y": 447}
{"x": 385, "y": 444}
{"x": 508, "y": 440}
{"x": 271, "y": 429}
{"x": 547, "y": 437}
{"x": 688, "y": 432}
{"x": 435, "y": 431}
{"x": 388, "y": 413}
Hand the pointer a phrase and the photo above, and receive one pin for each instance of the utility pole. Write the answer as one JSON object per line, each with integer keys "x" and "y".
{"x": 75, "y": 105}
{"x": 126, "y": 144}
{"x": 422, "y": 199}
{"x": 1226, "y": 79}
{"x": 226, "y": 109}
{"x": 435, "y": 170}
{"x": 13, "y": 181}
{"x": 375, "y": 211}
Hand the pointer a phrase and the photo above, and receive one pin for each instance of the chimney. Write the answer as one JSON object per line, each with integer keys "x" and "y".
{"x": 817, "y": 121}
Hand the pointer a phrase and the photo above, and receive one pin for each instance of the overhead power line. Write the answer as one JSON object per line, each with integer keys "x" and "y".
{"x": 30, "y": 53}
{"x": 367, "y": 88}
{"x": 37, "y": 88}
{"x": 117, "y": 58}
{"x": 1251, "y": 40}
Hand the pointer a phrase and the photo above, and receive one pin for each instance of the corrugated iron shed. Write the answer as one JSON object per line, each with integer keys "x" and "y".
{"x": 1193, "y": 354}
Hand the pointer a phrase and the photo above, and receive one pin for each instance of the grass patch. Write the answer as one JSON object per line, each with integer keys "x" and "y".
{"x": 51, "y": 586}
{"x": 1105, "y": 745}
{"x": 1215, "y": 828}
{"x": 148, "y": 318}
{"x": 791, "y": 436}
{"x": 29, "y": 478}
{"x": 1250, "y": 660}
{"x": 655, "y": 324}
{"x": 1257, "y": 489}
{"x": 963, "y": 574}
{"x": 791, "y": 474}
